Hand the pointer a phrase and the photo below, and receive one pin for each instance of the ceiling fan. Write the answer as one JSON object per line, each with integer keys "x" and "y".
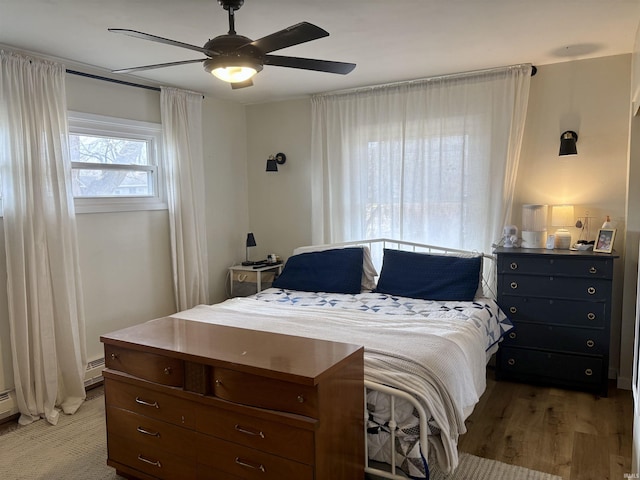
{"x": 236, "y": 59}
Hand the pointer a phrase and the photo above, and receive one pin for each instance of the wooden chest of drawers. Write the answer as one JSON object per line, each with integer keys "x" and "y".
{"x": 560, "y": 304}
{"x": 189, "y": 400}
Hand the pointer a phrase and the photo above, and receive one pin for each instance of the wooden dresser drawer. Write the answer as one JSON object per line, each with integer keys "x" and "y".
{"x": 568, "y": 369}
{"x": 148, "y": 366}
{"x": 249, "y": 463}
{"x": 554, "y": 311}
{"x": 269, "y": 436}
{"x": 596, "y": 267}
{"x": 555, "y": 287}
{"x": 138, "y": 399}
{"x": 264, "y": 392}
{"x": 156, "y": 462}
{"x": 149, "y": 432}
{"x": 553, "y": 337}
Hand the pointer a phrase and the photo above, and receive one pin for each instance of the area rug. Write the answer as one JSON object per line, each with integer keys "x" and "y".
{"x": 75, "y": 449}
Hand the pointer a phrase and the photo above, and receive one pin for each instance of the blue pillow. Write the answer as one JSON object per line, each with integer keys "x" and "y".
{"x": 429, "y": 277}
{"x": 336, "y": 271}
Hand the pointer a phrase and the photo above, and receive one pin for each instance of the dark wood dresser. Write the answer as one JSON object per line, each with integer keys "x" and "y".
{"x": 189, "y": 400}
{"x": 560, "y": 304}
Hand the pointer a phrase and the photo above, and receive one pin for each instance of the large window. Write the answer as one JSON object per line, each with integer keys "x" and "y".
{"x": 115, "y": 164}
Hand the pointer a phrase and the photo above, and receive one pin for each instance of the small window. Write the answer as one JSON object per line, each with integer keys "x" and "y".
{"x": 114, "y": 164}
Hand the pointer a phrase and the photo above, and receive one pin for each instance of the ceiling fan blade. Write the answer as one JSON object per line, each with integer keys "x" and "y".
{"x": 309, "y": 64}
{"x": 246, "y": 83}
{"x": 293, "y": 35}
{"x": 154, "y": 38}
{"x": 157, "y": 65}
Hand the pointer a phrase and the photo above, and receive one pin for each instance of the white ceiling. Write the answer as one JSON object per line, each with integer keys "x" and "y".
{"x": 389, "y": 40}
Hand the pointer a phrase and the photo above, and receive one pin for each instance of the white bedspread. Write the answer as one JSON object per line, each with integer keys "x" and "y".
{"x": 443, "y": 361}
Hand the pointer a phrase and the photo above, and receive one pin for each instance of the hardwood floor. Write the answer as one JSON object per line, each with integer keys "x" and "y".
{"x": 575, "y": 435}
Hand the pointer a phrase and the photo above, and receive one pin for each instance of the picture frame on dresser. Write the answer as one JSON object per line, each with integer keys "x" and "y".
{"x": 604, "y": 240}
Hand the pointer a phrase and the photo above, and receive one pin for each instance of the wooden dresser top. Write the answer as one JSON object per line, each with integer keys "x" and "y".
{"x": 285, "y": 357}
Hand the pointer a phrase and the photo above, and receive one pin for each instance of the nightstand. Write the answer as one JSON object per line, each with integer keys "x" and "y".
{"x": 251, "y": 274}
{"x": 560, "y": 304}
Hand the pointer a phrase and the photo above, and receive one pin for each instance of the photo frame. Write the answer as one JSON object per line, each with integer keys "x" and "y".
{"x": 604, "y": 240}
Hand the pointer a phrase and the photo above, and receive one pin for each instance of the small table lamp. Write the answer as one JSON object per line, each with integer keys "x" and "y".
{"x": 562, "y": 216}
{"x": 251, "y": 242}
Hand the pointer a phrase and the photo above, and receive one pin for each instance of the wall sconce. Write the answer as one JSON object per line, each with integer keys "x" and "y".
{"x": 562, "y": 216}
{"x": 274, "y": 161}
{"x": 251, "y": 242}
{"x": 568, "y": 143}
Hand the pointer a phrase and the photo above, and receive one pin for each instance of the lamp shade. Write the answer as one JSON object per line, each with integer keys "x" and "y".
{"x": 568, "y": 143}
{"x": 251, "y": 240}
{"x": 562, "y": 216}
{"x": 272, "y": 165}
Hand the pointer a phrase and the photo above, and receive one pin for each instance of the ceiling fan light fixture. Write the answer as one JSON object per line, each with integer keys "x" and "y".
{"x": 232, "y": 70}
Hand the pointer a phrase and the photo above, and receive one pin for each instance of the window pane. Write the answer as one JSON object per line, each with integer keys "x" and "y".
{"x": 111, "y": 183}
{"x": 118, "y": 151}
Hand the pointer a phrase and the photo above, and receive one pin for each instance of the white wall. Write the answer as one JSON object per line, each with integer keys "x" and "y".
{"x": 589, "y": 96}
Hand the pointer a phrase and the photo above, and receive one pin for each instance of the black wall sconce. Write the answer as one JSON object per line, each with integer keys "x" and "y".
{"x": 568, "y": 143}
{"x": 274, "y": 161}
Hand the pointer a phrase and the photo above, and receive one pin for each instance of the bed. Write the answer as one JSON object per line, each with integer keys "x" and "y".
{"x": 429, "y": 324}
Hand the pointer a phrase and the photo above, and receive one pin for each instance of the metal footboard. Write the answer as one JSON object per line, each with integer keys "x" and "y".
{"x": 394, "y": 393}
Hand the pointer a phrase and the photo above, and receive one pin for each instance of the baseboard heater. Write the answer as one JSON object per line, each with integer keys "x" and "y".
{"x": 92, "y": 376}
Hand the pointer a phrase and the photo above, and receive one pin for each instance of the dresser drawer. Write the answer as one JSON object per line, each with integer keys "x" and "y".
{"x": 596, "y": 267}
{"x": 566, "y": 368}
{"x": 269, "y": 436}
{"x": 148, "y": 366}
{"x": 553, "y": 337}
{"x": 555, "y": 287}
{"x": 144, "y": 401}
{"x": 265, "y": 392}
{"x": 149, "y": 432}
{"x": 248, "y": 463}
{"x": 554, "y": 311}
{"x": 152, "y": 461}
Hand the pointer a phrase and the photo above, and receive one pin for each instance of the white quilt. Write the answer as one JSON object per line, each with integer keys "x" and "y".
{"x": 439, "y": 360}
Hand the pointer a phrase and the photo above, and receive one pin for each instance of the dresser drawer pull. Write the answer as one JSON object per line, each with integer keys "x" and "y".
{"x": 147, "y": 404}
{"x": 593, "y": 270}
{"x": 300, "y": 399}
{"x": 590, "y": 343}
{"x": 167, "y": 370}
{"x": 513, "y": 310}
{"x": 511, "y": 362}
{"x": 588, "y": 372}
{"x": 147, "y": 432}
{"x": 591, "y": 316}
{"x": 114, "y": 356}
{"x": 244, "y": 463}
{"x": 512, "y": 335}
{"x": 218, "y": 383}
{"x": 155, "y": 463}
{"x": 249, "y": 432}
{"x": 513, "y": 266}
{"x": 514, "y": 285}
{"x": 591, "y": 290}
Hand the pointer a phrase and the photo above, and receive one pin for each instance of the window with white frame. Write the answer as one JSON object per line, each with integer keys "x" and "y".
{"x": 115, "y": 164}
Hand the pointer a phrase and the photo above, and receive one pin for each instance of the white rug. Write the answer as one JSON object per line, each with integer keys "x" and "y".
{"x": 75, "y": 449}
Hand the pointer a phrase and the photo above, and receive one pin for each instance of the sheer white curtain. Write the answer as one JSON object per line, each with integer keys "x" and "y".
{"x": 184, "y": 168}
{"x": 430, "y": 161}
{"x": 46, "y": 314}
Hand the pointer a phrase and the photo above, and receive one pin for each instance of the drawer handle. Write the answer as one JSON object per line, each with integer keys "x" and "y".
{"x": 514, "y": 285}
{"x": 244, "y": 463}
{"x": 513, "y": 266}
{"x": 246, "y": 431}
{"x": 167, "y": 370}
{"x": 513, "y": 310}
{"x": 147, "y": 432}
{"x": 591, "y": 316}
{"x": 218, "y": 383}
{"x": 591, "y": 290}
{"x": 590, "y": 343}
{"x": 511, "y": 362}
{"x": 155, "y": 463}
{"x": 593, "y": 270}
{"x": 588, "y": 372}
{"x": 114, "y": 356}
{"x": 147, "y": 404}
{"x": 300, "y": 399}
{"x": 512, "y": 335}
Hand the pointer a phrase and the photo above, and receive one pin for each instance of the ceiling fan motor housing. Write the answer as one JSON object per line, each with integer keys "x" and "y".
{"x": 231, "y": 4}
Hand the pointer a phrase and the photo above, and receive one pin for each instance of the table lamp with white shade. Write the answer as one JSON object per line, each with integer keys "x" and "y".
{"x": 562, "y": 217}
